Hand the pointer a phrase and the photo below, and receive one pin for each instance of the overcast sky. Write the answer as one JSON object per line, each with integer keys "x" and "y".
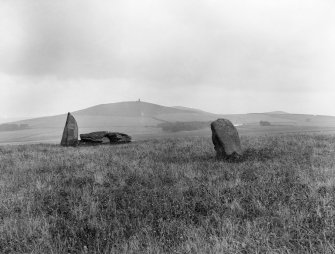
{"x": 223, "y": 56}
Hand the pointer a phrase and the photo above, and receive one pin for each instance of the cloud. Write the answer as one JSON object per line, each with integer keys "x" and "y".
{"x": 165, "y": 41}
{"x": 168, "y": 48}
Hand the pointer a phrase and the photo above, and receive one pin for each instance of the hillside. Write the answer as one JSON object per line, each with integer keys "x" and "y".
{"x": 135, "y": 118}
{"x": 142, "y": 119}
{"x": 192, "y": 110}
{"x": 128, "y": 109}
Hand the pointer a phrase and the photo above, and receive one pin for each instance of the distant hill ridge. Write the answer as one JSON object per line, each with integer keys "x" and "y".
{"x": 143, "y": 111}
{"x": 192, "y": 110}
{"x": 129, "y": 109}
{"x": 276, "y": 112}
{"x": 143, "y": 119}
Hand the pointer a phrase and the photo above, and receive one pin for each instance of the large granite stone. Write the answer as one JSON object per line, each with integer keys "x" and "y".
{"x": 225, "y": 139}
{"x": 70, "y": 133}
{"x": 104, "y": 137}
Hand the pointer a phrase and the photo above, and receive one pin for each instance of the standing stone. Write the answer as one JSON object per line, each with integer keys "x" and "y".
{"x": 225, "y": 139}
{"x": 70, "y": 133}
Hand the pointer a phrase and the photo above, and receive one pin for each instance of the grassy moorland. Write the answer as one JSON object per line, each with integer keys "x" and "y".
{"x": 170, "y": 196}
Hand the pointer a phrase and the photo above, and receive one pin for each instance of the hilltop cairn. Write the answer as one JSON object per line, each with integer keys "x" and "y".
{"x": 225, "y": 139}
{"x": 104, "y": 137}
{"x": 70, "y": 133}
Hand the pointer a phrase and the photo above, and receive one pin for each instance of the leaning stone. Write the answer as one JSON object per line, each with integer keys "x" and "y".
{"x": 70, "y": 133}
{"x": 225, "y": 139}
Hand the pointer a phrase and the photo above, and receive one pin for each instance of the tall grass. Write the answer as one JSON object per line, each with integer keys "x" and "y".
{"x": 169, "y": 196}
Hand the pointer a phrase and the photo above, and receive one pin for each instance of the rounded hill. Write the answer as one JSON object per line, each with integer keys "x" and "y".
{"x": 128, "y": 109}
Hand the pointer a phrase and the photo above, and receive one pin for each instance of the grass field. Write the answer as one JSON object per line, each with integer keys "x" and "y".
{"x": 170, "y": 196}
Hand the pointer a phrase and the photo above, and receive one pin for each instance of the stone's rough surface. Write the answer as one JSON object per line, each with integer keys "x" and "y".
{"x": 104, "y": 137}
{"x": 225, "y": 139}
{"x": 70, "y": 133}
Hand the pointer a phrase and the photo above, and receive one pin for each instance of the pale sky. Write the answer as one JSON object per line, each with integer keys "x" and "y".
{"x": 222, "y": 56}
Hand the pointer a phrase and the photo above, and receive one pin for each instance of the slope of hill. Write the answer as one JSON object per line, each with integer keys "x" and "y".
{"x": 128, "y": 109}
{"x": 276, "y": 112}
{"x": 119, "y": 114}
{"x": 142, "y": 119}
{"x": 135, "y": 118}
{"x": 194, "y": 110}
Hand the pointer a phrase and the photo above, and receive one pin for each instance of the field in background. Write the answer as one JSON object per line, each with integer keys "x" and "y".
{"x": 170, "y": 195}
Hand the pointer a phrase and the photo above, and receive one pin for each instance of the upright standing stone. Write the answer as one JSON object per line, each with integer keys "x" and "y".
{"x": 225, "y": 139}
{"x": 70, "y": 133}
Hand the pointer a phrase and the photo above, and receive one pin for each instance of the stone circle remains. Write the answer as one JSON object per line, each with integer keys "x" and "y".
{"x": 70, "y": 135}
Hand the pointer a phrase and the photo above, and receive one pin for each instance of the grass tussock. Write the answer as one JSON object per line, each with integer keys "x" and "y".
{"x": 169, "y": 196}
